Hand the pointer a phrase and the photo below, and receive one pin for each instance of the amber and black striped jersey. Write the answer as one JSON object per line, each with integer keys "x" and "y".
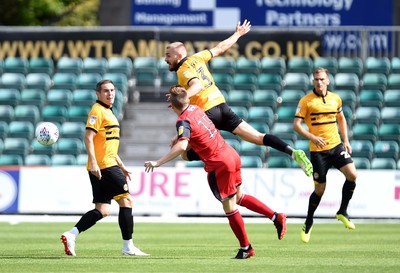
{"x": 319, "y": 114}
{"x": 195, "y": 66}
{"x": 102, "y": 120}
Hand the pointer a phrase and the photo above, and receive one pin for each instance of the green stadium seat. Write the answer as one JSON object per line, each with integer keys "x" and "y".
{"x": 261, "y": 114}
{"x": 351, "y": 65}
{"x": 71, "y": 129}
{"x": 63, "y": 160}
{"x": 371, "y": 98}
{"x": 16, "y": 145}
{"x": 35, "y": 97}
{"x": 85, "y": 97}
{"x": 120, "y": 81}
{"x": 284, "y": 130}
{"x": 21, "y": 129}
{"x": 240, "y": 98}
{"x": 81, "y": 159}
{"x": 64, "y": 80}
{"x": 362, "y": 163}
{"x": 303, "y": 144}
{"x": 248, "y": 148}
{"x": 37, "y": 160}
{"x": 37, "y": 148}
{"x": 3, "y": 130}
{"x": 11, "y": 160}
{"x": 300, "y": 65}
{"x": 224, "y": 81}
{"x": 249, "y": 161}
{"x": 262, "y": 127}
{"x": 1, "y": 66}
{"x": 16, "y": 65}
{"x": 1, "y": 142}
{"x": 145, "y": 63}
{"x": 272, "y": 81}
{"x": 78, "y": 113}
{"x": 120, "y": 65}
{"x": 296, "y": 80}
{"x": 235, "y": 143}
{"x": 273, "y": 65}
{"x": 247, "y": 65}
{"x": 389, "y": 131}
{"x": 387, "y": 149}
{"x": 291, "y": 97}
{"x": 87, "y": 80}
{"x": 6, "y": 113}
{"x": 69, "y": 65}
{"x": 13, "y": 81}
{"x": 393, "y": 81}
{"x": 347, "y": 81}
{"x": 395, "y": 64}
{"x": 241, "y": 111}
{"x": 348, "y": 114}
{"x": 9, "y": 96}
{"x": 194, "y": 164}
{"x": 146, "y": 78}
{"x": 246, "y": 81}
{"x": 349, "y": 98}
{"x": 30, "y": 113}
{"x": 281, "y": 161}
{"x": 365, "y": 131}
{"x": 368, "y": 115}
{"x": 390, "y": 114}
{"x": 54, "y": 113}
{"x": 286, "y": 113}
{"x": 374, "y": 81}
{"x": 73, "y": 146}
{"x": 266, "y": 98}
{"x": 95, "y": 65}
{"x": 362, "y": 148}
{"x": 61, "y": 97}
{"x": 377, "y": 65}
{"x": 383, "y": 164}
{"x": 39, "y": 81}
{"x": 223, "y": 65}
{"x": 41, "y": 65}
{"x": 168, "y": 78}
{"x": 329, "y": 63}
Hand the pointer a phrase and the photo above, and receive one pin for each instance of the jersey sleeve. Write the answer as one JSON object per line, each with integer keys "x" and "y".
{"x": 184, "y": 130}
{"x": 301, "y": 110}
{"x": 95, "y": 119}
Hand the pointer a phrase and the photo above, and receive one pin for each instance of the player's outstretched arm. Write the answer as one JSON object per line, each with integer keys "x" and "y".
{"x": 241, "y": 29}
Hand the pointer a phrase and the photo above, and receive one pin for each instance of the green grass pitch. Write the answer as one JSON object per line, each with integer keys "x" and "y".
{"x": 35, "y": 247}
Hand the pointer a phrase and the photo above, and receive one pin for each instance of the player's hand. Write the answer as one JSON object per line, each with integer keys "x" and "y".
{"x": 244, "y": 28}
{"x": 319, "y": 142}
{"x": 95, "y": 170}
{"x": 150, "y": 165}
{"x": 126, "y": 172}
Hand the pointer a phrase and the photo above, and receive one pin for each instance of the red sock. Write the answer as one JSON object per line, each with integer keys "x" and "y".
{"x": 237, "y": 226}
{"x": 255, "y": 205}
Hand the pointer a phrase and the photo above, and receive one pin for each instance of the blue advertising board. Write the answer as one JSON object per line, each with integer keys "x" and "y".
{"x": 9, "y": 183}
{"x": 270, "y": 13}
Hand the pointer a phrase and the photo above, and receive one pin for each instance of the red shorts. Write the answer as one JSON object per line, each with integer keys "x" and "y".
{"x": 224, "y": 173}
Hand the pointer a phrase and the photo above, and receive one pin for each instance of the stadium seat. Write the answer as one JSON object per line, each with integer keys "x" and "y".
{"x": 303, "y": 144}
{"x": 349, "y": 98}
{"x": 13, "y": 80}
{"x": 73, "y": 146}
{"x": 39, "y": 81}
{"x": 37, "y": 148}
{"x": 273, "y": 65}
{"x": 63, "y": 160}
{"x": 291, "y": 97}
{"x": 284, "y": 130}
{"x": 223, "y": 65}
{"x": 37, "y": 160}
{"x": 374, "y": 81}
{"x": 365, "y": 131}
{"x": 247, "y": 65}
{"x": 59, "y": 97}
{"x": 145, "y": 63}
{"x": 299, "y": 81}
{"x": 146, "y": 78}
{"x": 240, "y": 98}
{"x": 249, "y": 161}
{"x": 389, "y": 131}
{"x": 16, "y": 65}
{"x": 85, "y": 97}
{"x": 248, "y": 148}
{"x": 368, "y": 115}
{"x": 21, "y": 129}
{"x": 391, "y": 97}
{"x": 6, "y": 113}
{"x": 362, "y": 148}
{"x": 69, "y": 65}
{"x": 246, "y": 81}
{"x": 271, "y": 81}
{"x": 265, "y": 97}
{"x": 235, "y": 143}
{"x": 95, "y": 65}
{"x": 286, "y": 113}
{"x": 348, "y": 114}
{"x": 387, "y": 149}
{"x": 35, "y": 97}
{"x": 30, "y": 113}
{"x": 78, "y": 113}
{"x": 241, "y": 111}
{"x": 390, "y": 114}
{"x": 261, "y": 114}
{"x": 71, "y": 129}
{"x": 347, "y": 81}
{"x": 54, "y": 113}
{"x": 383, "y": 164}
{"x": 11, "y": 160}
{"x": 260, "y": 126}
{"x": 1, "y": 66}
{"x": 362, "y": 163}
{"x": 41, "y": 65}
{"x": 162, "y": 65}
{"x": 393, "y": 81}
{"x": 300, "y": 65}
{"x": 168, "y": 79}
{"x": 395, "y": 64}
{"x": 64, "y": 80}
{"x": 81, "y": 159}
{"x": 351, "y": 65}
{"x": 3, "y": 129}
{"x": 281, "y": 161}
{"x": 16, "y": 145}
{"x": 9, "y": 96}
{"x": 120, "y": 65}
{"x": 377, "y": 65}
{"x": 371, "y": 98}
{"x": 329, "y": 63}
{"x": 87, "y": 80}
{"x": 194, "y": 164}
{"x": 224, "y": 81}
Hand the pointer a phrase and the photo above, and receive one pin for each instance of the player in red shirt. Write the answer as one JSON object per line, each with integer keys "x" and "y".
{"x": 222, "y": 163}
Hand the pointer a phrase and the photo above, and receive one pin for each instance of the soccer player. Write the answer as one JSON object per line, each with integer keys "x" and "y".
{"x": 193, "y": 74}
{"x": 108, "y": 174}
{"x": 321, "y": 110}
{"x": 222, "y": 164}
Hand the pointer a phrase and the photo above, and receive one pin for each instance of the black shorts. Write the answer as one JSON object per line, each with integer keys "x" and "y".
{"x": 112, "y": 183}
{"x": 223, "y": 117}
{"x": 323, "y": 161}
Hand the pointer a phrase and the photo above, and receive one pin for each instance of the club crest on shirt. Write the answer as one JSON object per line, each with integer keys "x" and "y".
{"x": 92, "y": 119}
{"x": 180, "y": 130}
{"x": 188, "y": 75}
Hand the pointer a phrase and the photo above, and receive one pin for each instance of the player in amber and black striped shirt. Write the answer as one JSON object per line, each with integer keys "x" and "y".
{"x": 321, "y": 110}
{"x": 107, "y": 173}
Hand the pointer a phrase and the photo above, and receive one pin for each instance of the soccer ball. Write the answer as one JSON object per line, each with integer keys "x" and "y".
{"x": 46, "y": 133}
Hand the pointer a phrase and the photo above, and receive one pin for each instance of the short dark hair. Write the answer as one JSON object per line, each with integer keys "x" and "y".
{"x": 100, "y": 83}
{"x": 178, "y": 96}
